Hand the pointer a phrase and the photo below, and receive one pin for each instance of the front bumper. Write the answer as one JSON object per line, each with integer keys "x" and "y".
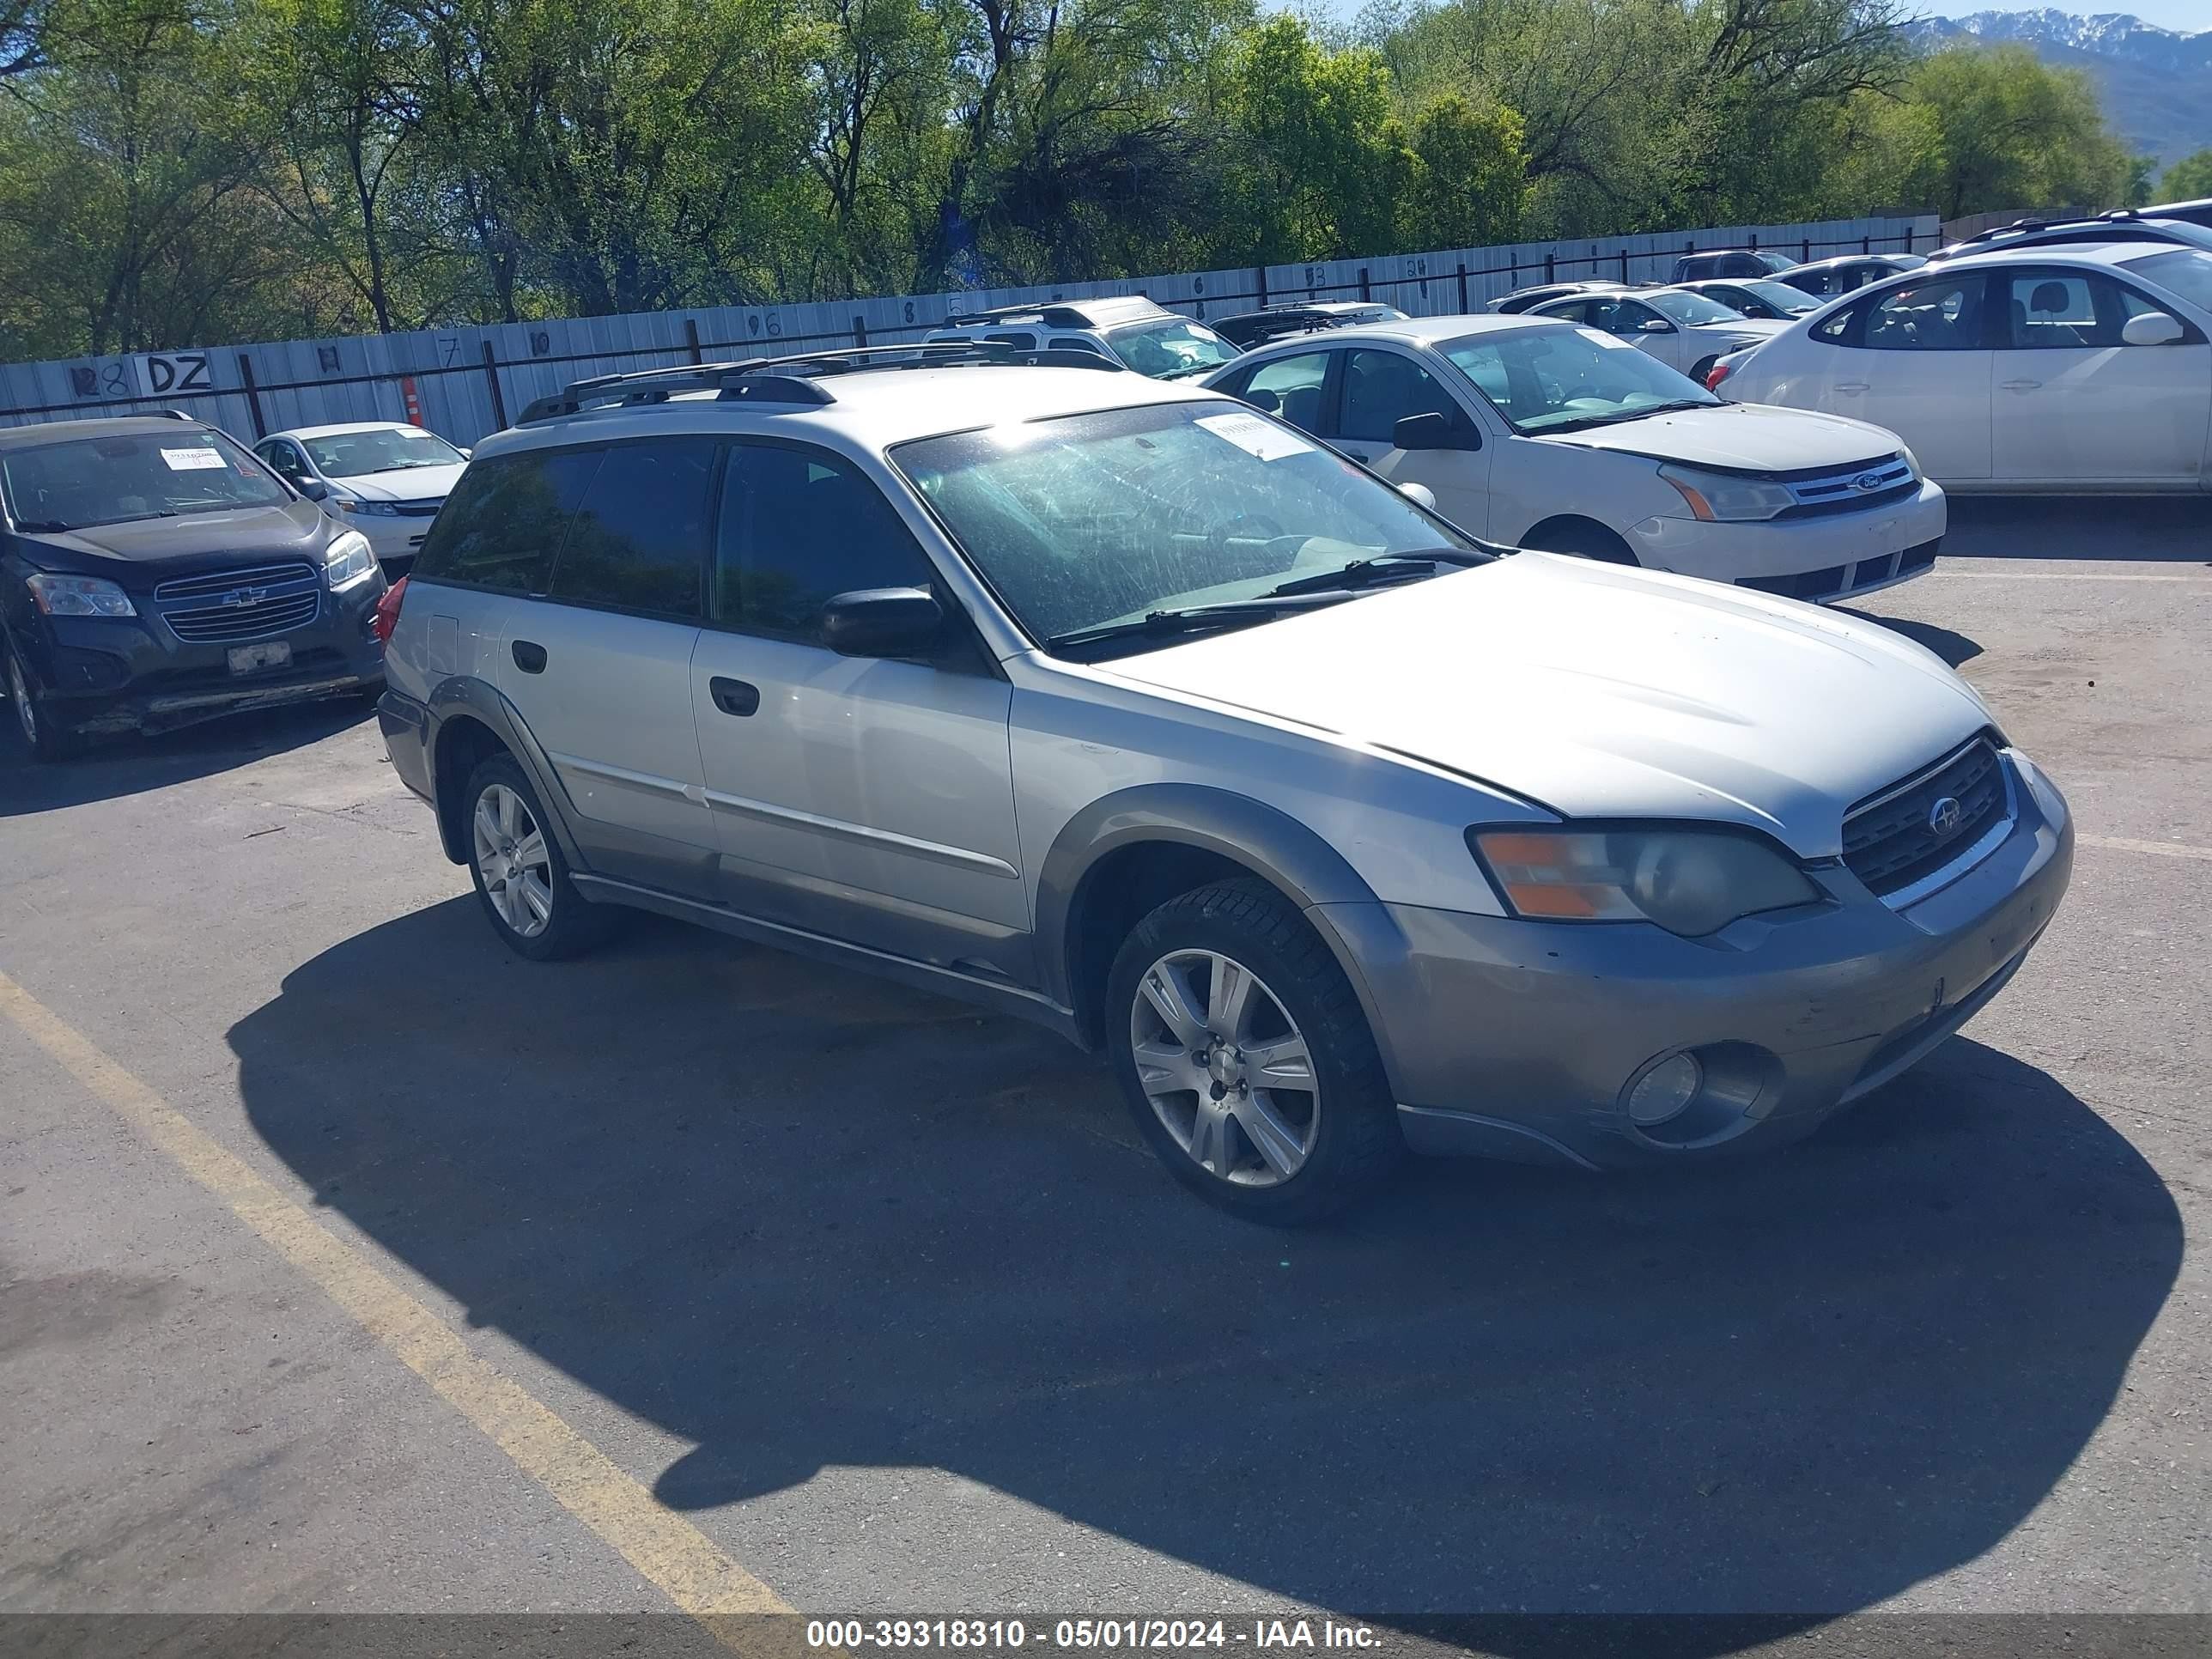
{"x": 103, "y": 675}
{"x": 1837, "y": 557}
{"x": 1520, "y": 1039}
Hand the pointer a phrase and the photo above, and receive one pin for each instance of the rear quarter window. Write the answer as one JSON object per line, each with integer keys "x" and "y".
{"x": 506, "y": 521}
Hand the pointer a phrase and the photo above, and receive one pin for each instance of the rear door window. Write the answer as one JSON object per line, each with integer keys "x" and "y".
{"x": 639, "y": 540}
{"x": 1944, "y": 313}
{"x": 507, "y": 519}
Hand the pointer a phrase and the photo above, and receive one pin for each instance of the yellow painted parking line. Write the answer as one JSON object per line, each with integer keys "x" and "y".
{"x": 2171, "y": 849}
{"x": 671, "y": 1553}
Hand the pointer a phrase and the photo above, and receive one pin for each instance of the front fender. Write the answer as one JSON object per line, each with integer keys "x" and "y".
{"x": 1272, "y": 845}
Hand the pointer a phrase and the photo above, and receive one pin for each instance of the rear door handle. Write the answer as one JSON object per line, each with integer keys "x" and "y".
{"x": 2021, "y": 386}
{"x": 734, "y": 696}
{"x": 529, "y": 656}
{"x": 1852, "y": 387}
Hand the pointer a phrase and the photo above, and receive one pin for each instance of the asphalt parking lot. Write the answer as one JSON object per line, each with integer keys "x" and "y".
{"x": 884, "y": 1304}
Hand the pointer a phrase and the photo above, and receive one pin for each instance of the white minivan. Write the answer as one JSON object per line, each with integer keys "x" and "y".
{"x": 1533, "y": 432}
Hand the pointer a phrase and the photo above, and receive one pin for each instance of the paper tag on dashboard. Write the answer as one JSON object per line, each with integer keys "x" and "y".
{"x": 1254, "y": 436}
{"x": 204, "y": 459}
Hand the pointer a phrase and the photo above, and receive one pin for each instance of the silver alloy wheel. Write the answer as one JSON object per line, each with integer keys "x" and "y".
{"x": 516, "y": 864}
{"x": 1226, "y": 1067}
{"x": 19, "y": 693}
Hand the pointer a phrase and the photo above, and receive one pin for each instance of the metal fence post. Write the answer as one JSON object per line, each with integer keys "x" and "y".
{"x": 691, "y": 336}
{"x": 1462, "y": 287}
{"x": 253, "y": 397}
{"x": 1550, "y": 262}
{"x": 491, "y": 376}
{"x": 1805, "y": 251}
{"x": 1260, "y": 284}
{"x": 1624, "y": 267}
{"x": 1365, "y": 292}
{"x": 859, "y": 331}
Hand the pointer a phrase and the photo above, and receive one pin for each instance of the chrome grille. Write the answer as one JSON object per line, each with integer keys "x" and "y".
{"x": 1850, "y": 489}
{"x": 419, "y": 509}
{"x": 1893, "y": 841}
{"x": 249, "y": 604}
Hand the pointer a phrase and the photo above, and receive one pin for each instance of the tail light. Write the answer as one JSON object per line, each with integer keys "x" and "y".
{"x": 1716, "y": 374}
{"x": 385, "y": 617}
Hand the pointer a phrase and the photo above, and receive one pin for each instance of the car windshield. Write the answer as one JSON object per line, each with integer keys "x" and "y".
{"x": 2186, "y": 271}
{"x": 1085, "y": 520}
{"x": 1170, "y": 350}
{"x": 142, "y": 475}
{"x": 1550, "y": 380}
{"x": 387, "y": 449}
{"x": 1783, "y": 297}
{"x": 1684, "y": 307}
{"x": 1774, "y": 261}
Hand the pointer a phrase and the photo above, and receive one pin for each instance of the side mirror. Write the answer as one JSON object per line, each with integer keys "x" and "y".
{"x": 1420, "y": 494}
{"x": 1655, "y": 326}
{"x": 2152, "y": 328}
{"x": 465, "y": 454}
{"x": 882, "y": 622}
{"x": 314, "y": 489}
{"x": 1432, "y": 431}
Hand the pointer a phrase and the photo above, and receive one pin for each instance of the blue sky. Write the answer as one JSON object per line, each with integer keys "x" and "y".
{"x": 2168, "y": 14}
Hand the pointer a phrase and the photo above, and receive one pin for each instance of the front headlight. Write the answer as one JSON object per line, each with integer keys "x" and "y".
{"x": 1715, "y": 497}
{"x": 348, "y": 559}
{"x": 78, "y": 596}
{"x": 373, "y": 509}
{"x": 1689, "y": 881}
{"x": 1912, "y": 461}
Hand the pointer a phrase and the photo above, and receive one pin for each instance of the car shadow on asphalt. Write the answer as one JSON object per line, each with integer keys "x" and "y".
{"x": 116, "y": 766}
{"x": 804, "y": 1219}
{"x": 1952, "y": 646}
{"x": 2169, "y": 528}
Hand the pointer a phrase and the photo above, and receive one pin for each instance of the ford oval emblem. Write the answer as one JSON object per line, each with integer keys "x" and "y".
{"x": 1867, "y": 481}
{"x": 1944, "y": 817}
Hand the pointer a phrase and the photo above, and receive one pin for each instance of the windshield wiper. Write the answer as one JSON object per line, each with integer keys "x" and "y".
{"x": 42, "y": 526}
{"x": 1189, "y": 619}
{"x": 1382, "y": 568}
{"x": 1186, "y": 371}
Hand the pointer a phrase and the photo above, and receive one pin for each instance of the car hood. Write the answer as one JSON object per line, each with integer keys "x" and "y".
{"x": 414, "y": 484}
{"x": 1741, "y": 437}
{"x": 160, "y": 547}
{"x": 1602, "y": 692}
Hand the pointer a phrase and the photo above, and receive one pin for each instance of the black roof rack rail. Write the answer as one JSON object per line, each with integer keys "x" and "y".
{"x": 793, "y": 379}
{"x": 1049, "y": 313}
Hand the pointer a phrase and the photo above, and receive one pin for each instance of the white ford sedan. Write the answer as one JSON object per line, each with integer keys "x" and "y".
{"x": 2060, "y": 370}
{"x": 1532, "y": 432}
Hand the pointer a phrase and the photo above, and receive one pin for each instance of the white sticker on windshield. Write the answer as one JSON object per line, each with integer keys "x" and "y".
{"x": 1250, "y": 433}
{"x": 204, "y": 459}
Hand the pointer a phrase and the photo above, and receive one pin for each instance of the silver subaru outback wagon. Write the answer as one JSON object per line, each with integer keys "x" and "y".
{"x": 1128, "y": 709}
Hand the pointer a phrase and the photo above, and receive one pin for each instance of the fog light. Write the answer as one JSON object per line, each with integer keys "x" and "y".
{"x": 1665, "y": 1090}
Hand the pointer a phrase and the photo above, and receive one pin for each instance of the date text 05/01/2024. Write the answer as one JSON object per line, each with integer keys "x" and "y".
{"x": 1111, "y": 1634}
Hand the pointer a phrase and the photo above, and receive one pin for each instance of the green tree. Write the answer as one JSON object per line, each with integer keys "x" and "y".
{"x": 2014, "y": 132}
{"x": 2187, "y": 179}
{"x": 1469, "y": 182}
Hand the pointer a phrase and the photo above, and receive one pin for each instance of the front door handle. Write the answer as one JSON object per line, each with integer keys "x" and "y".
{"x": 2021, "y": 386}
{"x": 1854, "y": 387}
{"x": 529, "y": 655}
{"x": 738, "y": 698}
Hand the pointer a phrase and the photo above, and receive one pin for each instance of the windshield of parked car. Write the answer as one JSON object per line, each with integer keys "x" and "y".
{"x": 1685, "y": 306}
{"x": 1774, "y": 261}
{"x": 390, "y": 449}
{"x": 1171, "y": 350}
{"x": 1088, "y": 520}
{"x": 1783, "y": 297}
{"x": 152, "y": 475}
{"x": 1551, "y": 380}
{"x": 2186, "y": 271}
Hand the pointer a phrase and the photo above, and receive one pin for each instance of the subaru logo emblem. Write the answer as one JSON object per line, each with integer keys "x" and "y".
{"x": 1944, "y": 818}
{"x": 240, "y": 596}
{"x": 1867, "y": 481}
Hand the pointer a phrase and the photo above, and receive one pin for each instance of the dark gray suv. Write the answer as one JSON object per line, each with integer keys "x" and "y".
{"x": 154, "y": 573}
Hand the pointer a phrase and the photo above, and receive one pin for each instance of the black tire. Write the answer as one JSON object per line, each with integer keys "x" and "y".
{"x": 47, "y": 741}
{"x": 1581, "y": 541}
{"x": 572, "y": 924}
{"x": 1356, "y": 1143}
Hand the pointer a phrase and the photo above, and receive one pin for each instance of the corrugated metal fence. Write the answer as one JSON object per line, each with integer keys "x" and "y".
{"x": 465, "y": 382}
